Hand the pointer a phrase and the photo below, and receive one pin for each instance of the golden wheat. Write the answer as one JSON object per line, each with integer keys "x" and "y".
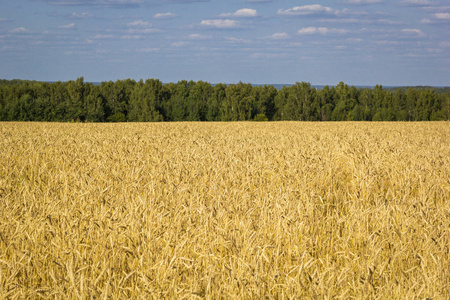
{"x": 225, "y": 210}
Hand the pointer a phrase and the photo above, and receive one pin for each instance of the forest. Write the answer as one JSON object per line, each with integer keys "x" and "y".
{"x": 152, "y": 100}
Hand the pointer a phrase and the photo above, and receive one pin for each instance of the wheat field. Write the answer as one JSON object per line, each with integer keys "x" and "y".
{"x": 249, "y": 210}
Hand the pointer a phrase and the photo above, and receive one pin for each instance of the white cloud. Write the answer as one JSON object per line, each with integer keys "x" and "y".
{"x": 389, "y": 22}
{"x": 435, "y": 50}
{"x": 184, "y": 1}
{"x": 345, "y": 21}
{"x": 279, "y": 36}
{"x": 141, "y": 27}
{"x": 20, "y": 30}
{"x": 5, "y": 48}
{"x": 242, "y": 13}
{"x": 167, "y": 15}
{"x": 321, "y": 30}
{"x": 307, "y": 10}
{"x": 237, "y": 40}
{"x": 75, "y": 52}
{"x": 220, "y": 23}
{"x": 354, "y": 40}
{"x": 143, "y": 30}
{"x": 131, "y": 37}
{"x": 413, "y": 31}
{"x": 387, "y": 43}
{"x": 196, "y": 36}
{"x": 179, "y": 44}
{"x": 411, "y": 55}
{"x": 95, "y": 2}
{"x": 139, "y": 23}
{"x": 416, "y": 2}
{"x": 103, "y": 36}
{"x": 442, "y": 16}
{"x": 148, "y": 50}
{"x": 82, "y": 15}
{"x": 261, "y": 55}
{"x": 363, "y": 1}
{"x": 68, "y": 26}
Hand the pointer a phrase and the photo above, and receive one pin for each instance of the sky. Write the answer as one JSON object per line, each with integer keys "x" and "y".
{"x": 359, "y": 42}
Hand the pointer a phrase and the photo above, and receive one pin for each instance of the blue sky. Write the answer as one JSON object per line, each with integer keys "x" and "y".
{"x": 360, "y": 42}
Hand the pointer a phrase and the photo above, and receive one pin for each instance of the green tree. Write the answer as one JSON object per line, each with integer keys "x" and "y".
{"x": 411, "y": 99}
{"x": 145, "y": 101}
{"x": 282, "y": 109}
{"x": 215, "y": 103}
{"x": 401, "y": 113}
{"x": 265, "y": 100}
{"x": 75, "y": 102}
{"x": 239, "y": 102}
{"x": 95, "y": 105}
{"x": 345, "y": 99}
{"x": 324, "y": 98}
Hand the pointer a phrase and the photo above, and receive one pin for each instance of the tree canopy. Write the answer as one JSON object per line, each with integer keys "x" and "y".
{"x": 151, "y": 101}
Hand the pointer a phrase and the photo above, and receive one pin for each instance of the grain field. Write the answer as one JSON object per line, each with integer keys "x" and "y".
{"x": 250, "y": 210}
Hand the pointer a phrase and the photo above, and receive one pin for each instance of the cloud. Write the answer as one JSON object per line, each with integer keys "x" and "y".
{"x": 320, "y": 30}
{"x": 442, "y": 16}
{"x": 167, "y": 15}
{"x": 220, "y": 23}
{"x": 354, "y": 40}
{"x": 416, "y": 2}
{"x": 242, "y": 13}
{"x": 3, "y": 20}
{"x": 279, "y": 36}
{"x": 307, "y": 10}
{"x": 413, "y": 31}
{"x": 389, "y": 22}
{"x": 81, "y": 16}
{"x": 20, "y": 30}
{"x": 143, "y": 30}
{"x": 132, "y": 37}
{"x": 388, "y": 43}
{"x": 344, "y": 21}
{"x": 261, "y": 55}
{"x": 148, "y": 50}
{"x": 258, "y": 1}
{"x": 363, "y": 1}
{"x": 139, "y": 23}
{"x": 103, "y": 36}
{"x": 121, "y": 3}
{"x": 184, "y": 1}
{"x": 76, "y": 52}
{"x": 179, "y": 44}
{"x": 6, "y": 48}
{"x": 68, "y": 26}
{"x": 437, "y": 18}
{"x": 141, "y": 27}
{"x": 236, "y": 40}
{"x": 196, "y": 36}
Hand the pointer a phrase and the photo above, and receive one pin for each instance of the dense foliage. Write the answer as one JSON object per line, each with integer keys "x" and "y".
{"x": 151, "y": 100}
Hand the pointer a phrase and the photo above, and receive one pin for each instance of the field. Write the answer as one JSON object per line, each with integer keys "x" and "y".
{"x": 225, "y": 210}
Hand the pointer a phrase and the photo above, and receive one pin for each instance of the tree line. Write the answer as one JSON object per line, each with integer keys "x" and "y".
{"x": 151, "y": 101}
